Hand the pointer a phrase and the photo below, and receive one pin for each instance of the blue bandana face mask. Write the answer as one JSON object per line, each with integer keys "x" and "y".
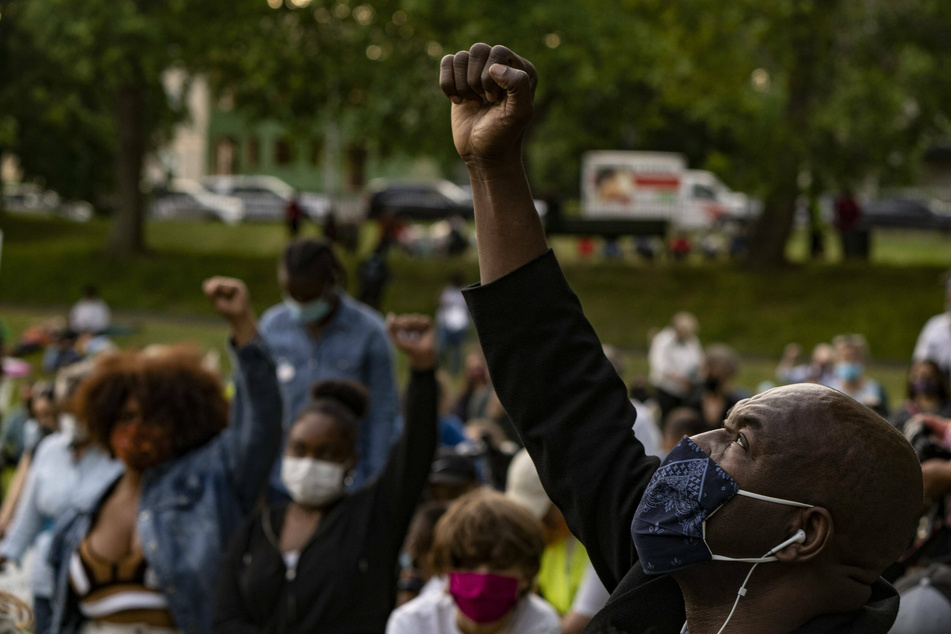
{"x": 669, "y": 527}
{"x": 310, "y": 312}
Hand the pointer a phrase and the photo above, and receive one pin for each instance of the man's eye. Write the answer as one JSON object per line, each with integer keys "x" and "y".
{"x": 742, "y": 442}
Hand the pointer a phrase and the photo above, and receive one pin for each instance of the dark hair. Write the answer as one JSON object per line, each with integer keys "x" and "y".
{"x": 422, "y": 530}
{"x": 171, "y": 386}
{"x": 486, "y": 528}
{"x": 344, "y": 401}
{"x": 684, "y": 421}
{"x": 313, "y": 260}
{"x": 940, "y": 375}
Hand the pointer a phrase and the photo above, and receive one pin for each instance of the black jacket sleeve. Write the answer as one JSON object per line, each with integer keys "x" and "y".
{"x": 231, "y": 614}
{"x": 401, "y": 483}
{"x": 569, "y": 405}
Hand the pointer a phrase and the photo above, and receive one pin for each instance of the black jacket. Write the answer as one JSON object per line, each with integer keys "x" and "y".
{"x": 573, "y": 415}
{"x": 346, "y": 577}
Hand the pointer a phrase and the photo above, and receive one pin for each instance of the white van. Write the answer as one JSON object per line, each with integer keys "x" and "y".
{"x": 657, "y": 186}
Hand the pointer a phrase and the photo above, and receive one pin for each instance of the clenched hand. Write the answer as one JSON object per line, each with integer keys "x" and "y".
{"x": 491, "y": 89}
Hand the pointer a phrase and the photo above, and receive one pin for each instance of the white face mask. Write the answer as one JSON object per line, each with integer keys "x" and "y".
{"x": 312, "y": 482}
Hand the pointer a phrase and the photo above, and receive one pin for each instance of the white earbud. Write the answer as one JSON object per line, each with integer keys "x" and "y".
{"x": 798, "y": 538}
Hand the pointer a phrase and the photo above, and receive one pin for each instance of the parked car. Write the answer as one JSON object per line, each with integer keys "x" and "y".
{"x": 29, "y": 198}
{"x": 905, "y": 213}
{"x": 417, "y": 199}
{"x": 423, "y": 200}
{"x": 266, "y": 197}
{"x": 184, "y": 199}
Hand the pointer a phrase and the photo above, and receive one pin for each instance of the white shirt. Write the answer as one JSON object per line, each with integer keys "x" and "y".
{"x": 591, "y": 595}
{"x": 934, "y": 342}
{"x": 667, "y": 355}
{"x": 453, "y": 313}
{"x": 435, "y": 613}
{"x": 57, "y": 480}
{"x": 647, "y": 432}
{"x": 89, "y": 315}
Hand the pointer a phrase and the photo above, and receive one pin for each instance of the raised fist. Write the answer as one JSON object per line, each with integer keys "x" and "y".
{"x": 230, "y": 298}
{"x": 414, "y": 335}
{"x": 491, "y": 89}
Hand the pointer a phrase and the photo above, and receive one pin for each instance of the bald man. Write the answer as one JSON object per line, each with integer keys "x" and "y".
{"x": 781, "y": 521}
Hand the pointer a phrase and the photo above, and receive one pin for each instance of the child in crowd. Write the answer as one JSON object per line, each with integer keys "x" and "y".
{"x": 490, "y": 548}
{"x": 416, "y": 575}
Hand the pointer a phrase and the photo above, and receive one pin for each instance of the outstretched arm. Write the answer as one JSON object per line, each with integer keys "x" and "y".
{"x": 547, "y": 364}
{"x": 401, "y": 483}
{"x": 253, "y": 439}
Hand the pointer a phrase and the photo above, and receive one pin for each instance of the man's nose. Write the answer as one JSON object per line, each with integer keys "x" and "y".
{"x": 708, "y": 442}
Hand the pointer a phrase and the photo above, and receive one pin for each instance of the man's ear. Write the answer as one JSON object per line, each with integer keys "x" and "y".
{"x": 817, "y": 523}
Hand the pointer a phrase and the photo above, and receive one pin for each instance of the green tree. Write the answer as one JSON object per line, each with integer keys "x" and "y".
{"x": 95, "y": 88}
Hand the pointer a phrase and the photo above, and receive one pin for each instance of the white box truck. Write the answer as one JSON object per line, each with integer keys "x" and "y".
{"x": 656, "y": 187}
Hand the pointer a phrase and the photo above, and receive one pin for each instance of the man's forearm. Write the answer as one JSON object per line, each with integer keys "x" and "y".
{"x": 508, "y": 229}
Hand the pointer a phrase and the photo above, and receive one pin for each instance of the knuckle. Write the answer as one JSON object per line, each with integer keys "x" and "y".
{"x": 480, "y": 49}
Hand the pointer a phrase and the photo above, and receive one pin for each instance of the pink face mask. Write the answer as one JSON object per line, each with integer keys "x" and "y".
{"x": 484, "y": 598}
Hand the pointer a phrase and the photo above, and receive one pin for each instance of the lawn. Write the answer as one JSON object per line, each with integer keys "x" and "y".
{"x": 45, "y": 263}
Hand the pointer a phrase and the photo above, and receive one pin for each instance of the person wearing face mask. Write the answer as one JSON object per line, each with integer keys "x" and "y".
{"x": 927, "y": 393}
{"x": 326, "y": 561}
{"x": 489, "y": 547}
{"x": 66, "y": 470}
{"x": 142, "y": 557}
{"x": 319, "y": 332}
{"x": 851, "y": 355}
{"x": 781, "y": 521}
{"x": 716, "y": 395}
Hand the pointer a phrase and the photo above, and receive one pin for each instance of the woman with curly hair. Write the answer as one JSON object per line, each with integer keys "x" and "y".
{"x": 143, "y": 557}
{"x": 326, "y": 561}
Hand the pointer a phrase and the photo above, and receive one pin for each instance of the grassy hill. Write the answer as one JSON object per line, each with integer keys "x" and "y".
{"x": 46, "y": 262}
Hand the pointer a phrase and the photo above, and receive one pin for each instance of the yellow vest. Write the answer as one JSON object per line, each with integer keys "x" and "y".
{"x": 563, "y": 567}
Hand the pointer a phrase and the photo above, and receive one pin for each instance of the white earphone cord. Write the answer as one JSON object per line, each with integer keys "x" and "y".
{"x": 739, "y": 595}
{"x": 799, "y": 537}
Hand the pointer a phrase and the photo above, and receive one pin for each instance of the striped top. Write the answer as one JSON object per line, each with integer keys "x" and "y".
{"x": 124, "y": 592}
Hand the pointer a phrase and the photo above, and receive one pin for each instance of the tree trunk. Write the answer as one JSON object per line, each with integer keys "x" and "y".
{"x": 127, "y": 236}
{"x": 812, "y": 32}
{"x": 772, "y": 230}
{"x": 356, "y": 165}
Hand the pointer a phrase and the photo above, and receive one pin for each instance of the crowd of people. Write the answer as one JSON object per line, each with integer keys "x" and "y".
{"x": 513, "y": 485}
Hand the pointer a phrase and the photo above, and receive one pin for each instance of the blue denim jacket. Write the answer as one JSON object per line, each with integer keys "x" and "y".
{"x": 353, "y": 345}
{"x": 191, "y": 506}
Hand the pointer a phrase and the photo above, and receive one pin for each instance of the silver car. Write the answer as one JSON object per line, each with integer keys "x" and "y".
{"x": 184, "y": 199}
{"x": 266, "y": 197}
